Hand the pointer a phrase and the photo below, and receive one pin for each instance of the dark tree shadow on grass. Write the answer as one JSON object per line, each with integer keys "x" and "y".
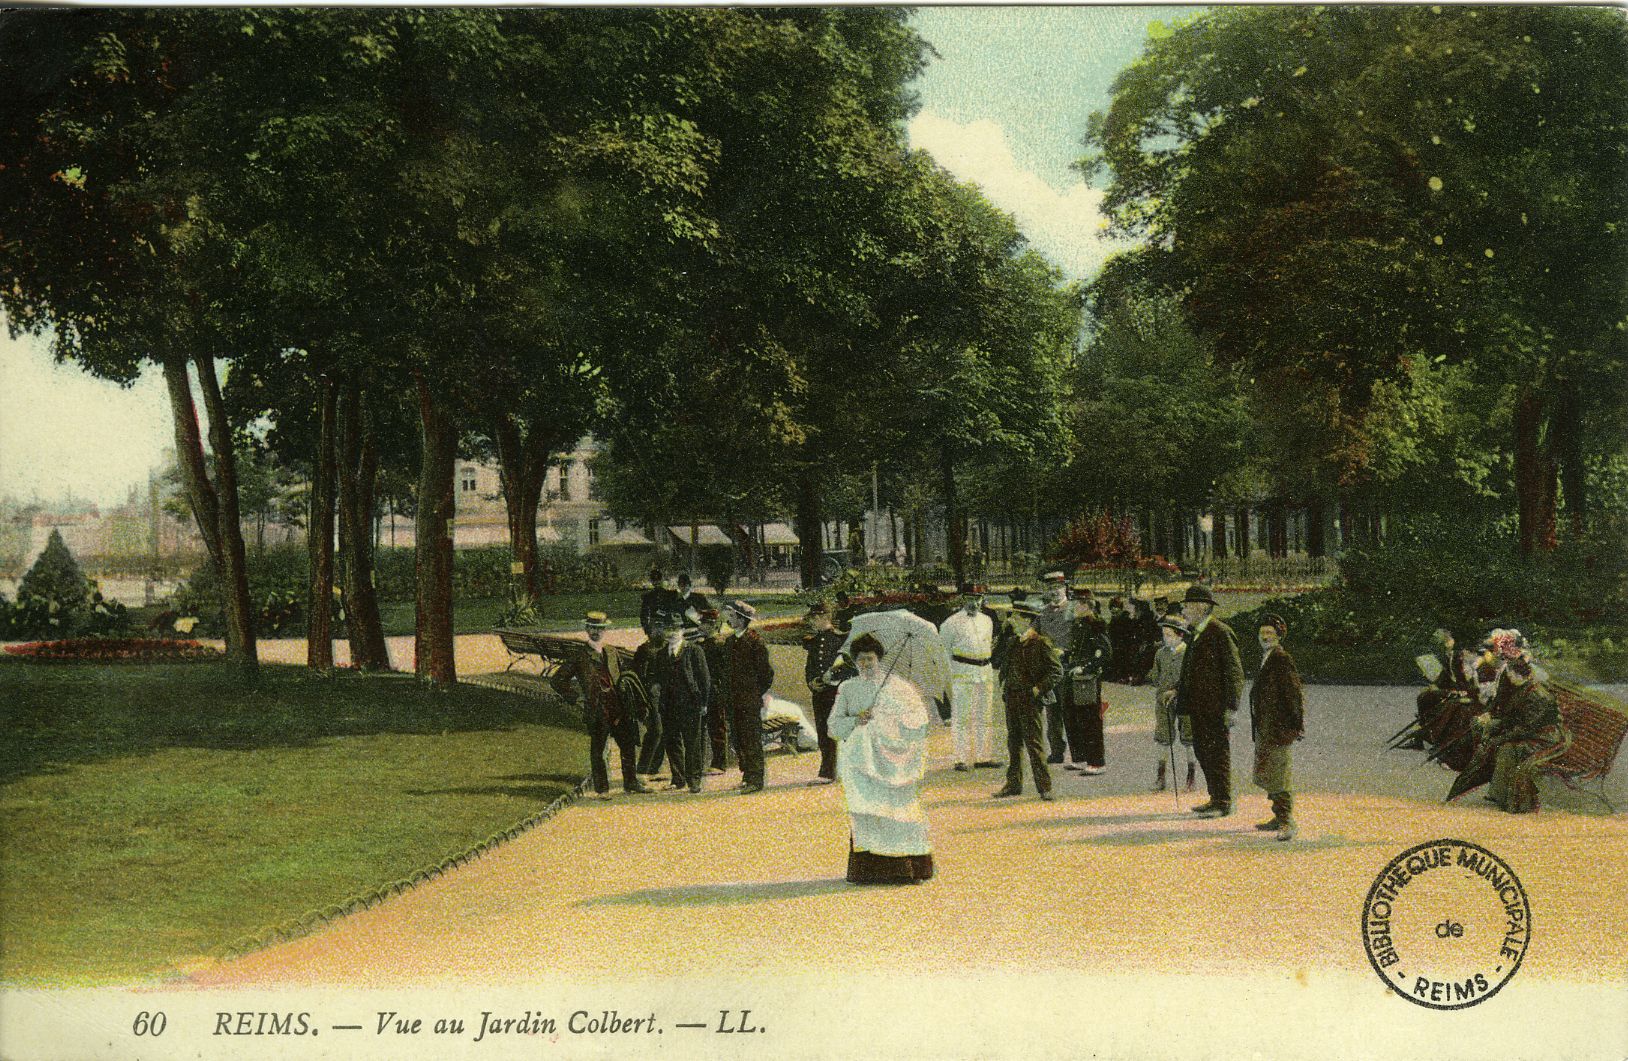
{"x": 59, "y": 716}
{"x": 723, "y": 894}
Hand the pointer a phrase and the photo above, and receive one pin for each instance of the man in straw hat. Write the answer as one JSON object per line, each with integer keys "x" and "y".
{"x": 1032, "y": 669}
{"x": 1277, "y": 718}
{"x": 1212, "y": 680}
{"x": 593, "y": 673}
{"x": 750, "y": 677}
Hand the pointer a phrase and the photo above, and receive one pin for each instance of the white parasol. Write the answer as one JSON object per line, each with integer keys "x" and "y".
{"x": 914, "y": 650}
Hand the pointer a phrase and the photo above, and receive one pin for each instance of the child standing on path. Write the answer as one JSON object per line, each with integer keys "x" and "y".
{"x": 1165, "y": 677}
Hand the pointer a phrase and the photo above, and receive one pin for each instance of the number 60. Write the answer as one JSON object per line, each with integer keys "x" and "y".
{"x": 153, "y": 1025}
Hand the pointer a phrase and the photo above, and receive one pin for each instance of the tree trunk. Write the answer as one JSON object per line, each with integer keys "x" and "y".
{"x": 319, "y": 538}
{"x": 955, "y": 528}
{"x": 523, "y": 468}
{"x": 1316, "y": 514}
{"x": 809, "y": 525}
{"x": 1218, "y": 534}
{"x": 358, "y": 480}
{"x": 189, "y": 455}
{"x": 1566, "y": 443}
{"x": 432, "y": 633}
{"x": 1241, "y": 518}
{"x": 240, "y": 637}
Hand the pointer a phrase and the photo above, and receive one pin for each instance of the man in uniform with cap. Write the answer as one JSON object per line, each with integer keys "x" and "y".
{"x": 1212, "y": 679}
{"x": 1032, "y": 669}
{"x": 1277, "y": 718}
{"x": 1085, "y": 658}
{"x": 593, "y": 673}
{"x": 682, "y": 687}
{"x": 750, "y": 677}
{"x": 823, "y": 644}
{"x": 969, "y": 637}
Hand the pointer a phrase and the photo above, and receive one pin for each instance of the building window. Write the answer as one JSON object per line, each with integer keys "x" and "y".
{"x": 467, "y": 480}
{"x": 565, "y": 480}
{"x": 593, "y": 483}
{"x": 593, "y": 533}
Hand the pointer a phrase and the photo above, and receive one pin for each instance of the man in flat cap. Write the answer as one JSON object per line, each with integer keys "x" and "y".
{"x": 1212, "y": 679}
{"x": 1032, "y": 669}
{"x": 593, "y": 674}
{"x": 750, "y": 678}
{"x": 1277, "y": 718}
{"x": 822, "y": 644}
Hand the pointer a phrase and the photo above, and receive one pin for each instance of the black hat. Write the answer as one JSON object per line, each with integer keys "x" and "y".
{"x": 1199, "y": 593}
{"x": 1276, "y": 622}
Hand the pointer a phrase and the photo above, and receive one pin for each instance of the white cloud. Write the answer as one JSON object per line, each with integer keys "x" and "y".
{"x": 1064, "y": 225}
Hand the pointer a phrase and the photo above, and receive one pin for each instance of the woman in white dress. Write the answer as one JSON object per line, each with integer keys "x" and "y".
{"x": 881, "y": 721}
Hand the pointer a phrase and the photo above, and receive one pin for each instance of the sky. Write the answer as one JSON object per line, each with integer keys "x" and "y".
{"x": 1004, "y": 105}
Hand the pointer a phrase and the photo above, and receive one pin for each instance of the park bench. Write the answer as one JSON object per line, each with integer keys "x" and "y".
{"x": 1597, "y": 731}
{"x": 550, "y": 649}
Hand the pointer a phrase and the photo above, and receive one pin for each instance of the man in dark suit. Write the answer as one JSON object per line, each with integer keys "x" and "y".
{"x": 691, "y": 599}
{"x": 679, "y": 671}
{"x": 1212, "y": 680}
{"x": 750, "y": 677}
{"x": 658, "y": 599}
{"x": 1032, "y": 668}
{"x": 1277, "y": 718}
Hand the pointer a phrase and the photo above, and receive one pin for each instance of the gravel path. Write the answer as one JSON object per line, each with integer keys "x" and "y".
{"x": 1109, "y": 878}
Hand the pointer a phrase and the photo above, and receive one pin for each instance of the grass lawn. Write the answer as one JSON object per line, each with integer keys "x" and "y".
{"x": 151, "y": 814}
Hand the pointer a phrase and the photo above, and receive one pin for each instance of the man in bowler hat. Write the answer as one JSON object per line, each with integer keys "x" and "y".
{"x": 1212, "y": 680}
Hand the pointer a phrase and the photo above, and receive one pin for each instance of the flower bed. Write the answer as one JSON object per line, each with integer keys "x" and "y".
{"x": 113, "y": 650}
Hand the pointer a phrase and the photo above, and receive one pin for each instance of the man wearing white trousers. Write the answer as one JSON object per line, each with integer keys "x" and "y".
{"x": 969, "y": 637}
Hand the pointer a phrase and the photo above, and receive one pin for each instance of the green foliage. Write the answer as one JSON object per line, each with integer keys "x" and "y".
{"x": 484, "y": 572}
{"x": 1432, "y": 573}
{"x": 56, "y": 577}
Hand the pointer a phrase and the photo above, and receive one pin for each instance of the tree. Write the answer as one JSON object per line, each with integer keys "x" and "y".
{"x": 1346, "y": 197}
{"x": 109, "y": 242}
{"x": 56, "y": 577}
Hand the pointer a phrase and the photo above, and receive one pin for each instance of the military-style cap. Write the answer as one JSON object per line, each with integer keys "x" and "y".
{"x": 596, "y": 619}
{"x": 1054, "y": 577}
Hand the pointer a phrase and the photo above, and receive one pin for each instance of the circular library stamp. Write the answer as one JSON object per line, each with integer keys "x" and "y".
{"x": 1446, "y": 924}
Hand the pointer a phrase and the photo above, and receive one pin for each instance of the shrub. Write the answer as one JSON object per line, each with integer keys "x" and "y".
{"x": 484, "y": 572}
{"x": 1097, "y": 539}
{"x": 56, "y": 577}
